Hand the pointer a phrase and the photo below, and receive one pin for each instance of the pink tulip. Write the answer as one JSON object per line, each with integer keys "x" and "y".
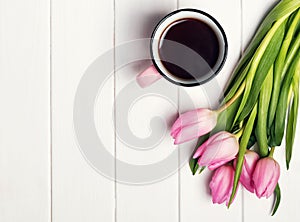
{"x": 265, "y": 177}
{"x": 250, "y": 160}
{"x": 217, "y": 150}
{"x": 221, "y": 184}
{"x": 193, "y": 124}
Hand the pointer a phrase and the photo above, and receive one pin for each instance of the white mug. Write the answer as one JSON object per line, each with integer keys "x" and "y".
{"x": 158, "y": 68}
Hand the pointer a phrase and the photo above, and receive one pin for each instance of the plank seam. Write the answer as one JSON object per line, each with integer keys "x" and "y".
{"x": 178, "y": 159}
{"x": 179, "y": 169}
{"x": 241, "y": 54}
{"x": 51, "y": 109}
{"x": 115, "y": 122}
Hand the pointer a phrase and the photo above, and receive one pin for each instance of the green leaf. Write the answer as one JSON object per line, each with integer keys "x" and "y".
{"x": 251, "y": 142}
{"x": 291, "y": 18}
{"x": 257, "y": 75}
{"x": 237, "y": 82}
{"x": 292, "y": 52}
{"x": 277, "y": 193}
{"x": 193, "y": 165}
{"x": 283, "y": 8}
{"x": 202, "y": 169}
{"x": 263, "y": 108}
{"x": 272, "y": 141}
{"x": 243, "y": 147}
{"x": 282, "y": 107}
{"x": 193, "y": 162}
{"x": 292, "y": 121}
{"x": 279, "y": 65}
{"x": 226, "y": 118}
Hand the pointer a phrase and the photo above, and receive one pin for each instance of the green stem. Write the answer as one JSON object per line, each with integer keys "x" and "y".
{"x": 292, "y": 119}
{"x": 272, "y": 151}
{"x": 233, "y": 99}
{"x": 242, "y": 149}
{"x": 263, "y": 108}
{"x": 239, "y": 133}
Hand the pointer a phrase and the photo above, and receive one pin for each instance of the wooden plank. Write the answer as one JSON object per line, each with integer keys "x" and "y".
{"x": 260, "y": 209}
{"x": 195, "y": 198}
{"x": 25, "y": 111}
{"x": 146, "y": 152}
{"x": 82, "y": 31}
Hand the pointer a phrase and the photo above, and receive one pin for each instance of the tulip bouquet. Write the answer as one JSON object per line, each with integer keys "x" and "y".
{"x": 237, "y": 141}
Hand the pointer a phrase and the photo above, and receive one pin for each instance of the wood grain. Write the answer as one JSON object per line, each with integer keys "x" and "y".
{"x": 150, "y": 200}
{"x": 25, "y": 111}
{"x": 81, "y": 32}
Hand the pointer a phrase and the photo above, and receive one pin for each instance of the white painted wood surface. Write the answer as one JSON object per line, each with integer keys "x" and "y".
{"x": 46, "y": 47}
{"x": 81, "y": 31}
{"x": 25, "y": 111}
{"x": 155, "y": 201}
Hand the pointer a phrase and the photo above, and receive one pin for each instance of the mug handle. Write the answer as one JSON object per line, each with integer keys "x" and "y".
{"x": 148, "y": 77}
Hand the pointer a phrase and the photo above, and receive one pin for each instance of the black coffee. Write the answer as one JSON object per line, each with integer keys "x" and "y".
{"x": 192, "y": 51}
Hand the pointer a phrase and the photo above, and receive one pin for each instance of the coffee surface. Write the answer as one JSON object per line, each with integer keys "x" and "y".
{"x": 189, "y": 49}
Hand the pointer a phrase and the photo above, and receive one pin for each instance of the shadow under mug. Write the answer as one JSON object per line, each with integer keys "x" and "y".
{"x": 159, "y": 69}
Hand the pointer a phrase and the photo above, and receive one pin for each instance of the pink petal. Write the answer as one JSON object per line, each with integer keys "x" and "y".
{"x": 195, "y": 116}
{"x": 221, "y": 184}
{"x": 218, "y": 185}
{"x": 201, "y": 148}
{"x": 248, "y": 184}
{"x": 185, "y": 119}
{"x": 273, "y": 182}
{"x": 175, "y": 132}
{"x": 217, "y": 164}
{"x": 204, "y": 145}
{"x": 265, "y": 176}
{"x": 192, "y": 131}
{"x": 220, "y": 150}
{"x": 250, "y": 160}
{"x": 148, "y": 77}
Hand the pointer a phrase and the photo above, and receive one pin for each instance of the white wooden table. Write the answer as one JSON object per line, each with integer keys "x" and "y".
{"x": 46, "y": 47}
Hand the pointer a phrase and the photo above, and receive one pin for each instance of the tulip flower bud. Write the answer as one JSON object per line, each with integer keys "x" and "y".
{"x": 265, "y": 177}
{"x": 250, "y": 160}
{"x": 217, "y": 150}
{"x": 221, "y": 184}
{"x": 193, "y": 124}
